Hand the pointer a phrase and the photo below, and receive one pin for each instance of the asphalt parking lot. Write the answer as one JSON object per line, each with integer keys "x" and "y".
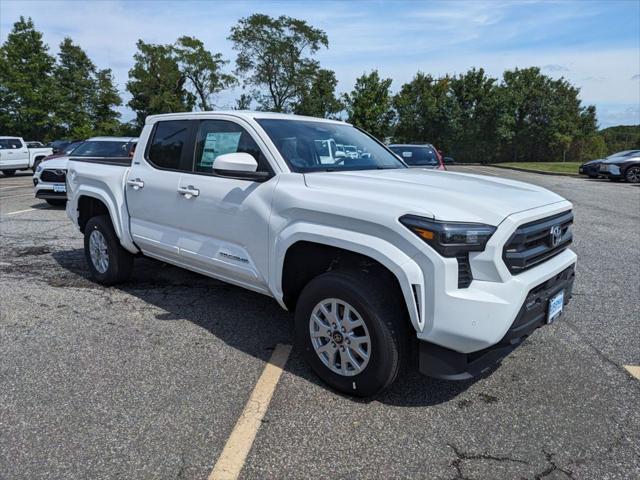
{"x": 147, "y": 380}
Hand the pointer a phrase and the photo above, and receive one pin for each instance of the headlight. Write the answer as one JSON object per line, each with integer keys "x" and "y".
{"x": 449, "y": 238}
{"x": 39, "y": 168}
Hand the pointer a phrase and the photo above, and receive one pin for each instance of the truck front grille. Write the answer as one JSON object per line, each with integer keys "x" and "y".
{"x": 535, "y": 242}
{"x": 53, "y": 176}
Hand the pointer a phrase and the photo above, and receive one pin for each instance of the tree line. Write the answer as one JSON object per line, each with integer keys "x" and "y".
{"x": 523, "y": 116}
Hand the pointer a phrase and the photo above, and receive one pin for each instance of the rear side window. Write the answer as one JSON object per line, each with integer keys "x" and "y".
{"x": 217, "y": 137}
{"x": 102, "y": 148}
{"x": 169, "y": 144}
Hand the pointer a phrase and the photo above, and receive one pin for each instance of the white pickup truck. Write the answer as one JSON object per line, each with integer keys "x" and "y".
{"x": 15, "y": 155}
{"x": 382, "y": 264}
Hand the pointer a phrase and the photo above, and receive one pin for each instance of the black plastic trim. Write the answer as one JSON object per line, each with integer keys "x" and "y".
{"x": 440, "y": 362}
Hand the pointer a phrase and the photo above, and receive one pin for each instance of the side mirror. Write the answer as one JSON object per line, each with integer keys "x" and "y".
{"x": 239, "y": 165}
{"x": 448, "y": 160}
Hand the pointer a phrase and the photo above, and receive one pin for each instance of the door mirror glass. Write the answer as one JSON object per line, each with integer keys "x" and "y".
{"x": 235, "y": 162}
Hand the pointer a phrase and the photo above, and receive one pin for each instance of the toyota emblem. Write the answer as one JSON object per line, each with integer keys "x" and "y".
{"x": 555, "y": 235}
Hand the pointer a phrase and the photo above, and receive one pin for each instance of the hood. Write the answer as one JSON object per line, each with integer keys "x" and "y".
{"x": 621, "y": 160}
{"x": 55, "y": 163}
{"x": 592, "y": 162}
{"x": 443, "y": 195}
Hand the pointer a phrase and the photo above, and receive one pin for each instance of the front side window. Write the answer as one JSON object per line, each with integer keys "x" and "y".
{"x": 218, "y": 137}
{"x": 108, "y": 148}
{"x": 416, "y": 155}
{"x": 168, "y": 144}
{"x": 309, "y": 146}
{"x": 10, "y": 144}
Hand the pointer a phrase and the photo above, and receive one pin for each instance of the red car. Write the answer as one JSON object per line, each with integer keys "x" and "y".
{"x": 419, "y": 156}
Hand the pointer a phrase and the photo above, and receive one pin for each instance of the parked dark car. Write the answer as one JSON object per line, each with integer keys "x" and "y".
{"x": 419, "y": 156}
{"x": 592, "y": 167}
{"x": 64, "y": 151}
{"x": 60, "y": 145}
{"x": 622, "y": 168}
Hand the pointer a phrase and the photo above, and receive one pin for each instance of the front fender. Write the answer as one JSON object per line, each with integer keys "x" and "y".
{"x": 405, "y": 269}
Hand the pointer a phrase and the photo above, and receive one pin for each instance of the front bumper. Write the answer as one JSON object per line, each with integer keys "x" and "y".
{"x": 440, "y": 362}
{"x": 45, "y": 191}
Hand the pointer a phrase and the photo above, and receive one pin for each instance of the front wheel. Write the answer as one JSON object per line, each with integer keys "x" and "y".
{"x": 351, "y": 329}
{"x": 108, "y": 262}
{"x": 632, "y": 175}
{"x": 8, "y": 173}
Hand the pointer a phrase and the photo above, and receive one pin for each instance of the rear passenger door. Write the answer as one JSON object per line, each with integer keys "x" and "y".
{"x": 223, "y": 223}
{"x": 151, "y": 189}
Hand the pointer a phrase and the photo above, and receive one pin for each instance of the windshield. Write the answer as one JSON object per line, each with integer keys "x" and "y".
{"x": 311, "y": 146}
{"x": 103, "y": 149}
{"x": 416, "y": 155}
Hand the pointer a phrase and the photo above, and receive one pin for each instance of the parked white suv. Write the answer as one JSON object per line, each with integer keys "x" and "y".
{"x": 373, "y": 257}
{"x": 16, "y": 155}
{"x": 49, "y": 179}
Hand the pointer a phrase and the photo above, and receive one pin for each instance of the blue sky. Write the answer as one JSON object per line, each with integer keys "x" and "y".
{"x": 594, "y": 44}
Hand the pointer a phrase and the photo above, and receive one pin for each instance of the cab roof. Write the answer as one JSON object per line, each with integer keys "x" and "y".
{"x": 244, "y": 114}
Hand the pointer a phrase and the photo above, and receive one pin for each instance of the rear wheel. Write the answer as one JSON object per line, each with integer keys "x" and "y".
{"x": 108, "y": 262}
{"x": 352, "y": 330}
{"x": 632, "y": 175}
{"x": 56, "y": 202}
{"x": 8, "y": 173}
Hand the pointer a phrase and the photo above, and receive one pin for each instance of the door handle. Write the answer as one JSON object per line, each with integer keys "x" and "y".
{"x": 136, "y": 183}
{"x": 189, "y": 191}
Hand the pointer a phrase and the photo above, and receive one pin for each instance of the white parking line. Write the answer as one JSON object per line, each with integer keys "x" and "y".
{"x": 237, "y": 448}
{"x": 2, "y": 189}
{"x": 22, "y": 211}
{"x": 17, "y": 196}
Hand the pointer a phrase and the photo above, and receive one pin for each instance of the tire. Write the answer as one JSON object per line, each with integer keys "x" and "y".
{"x": 593, "y": 176}
{"x": 8, "y": 173}
{"x": 56, "y": 202}
{"x": 382, "y": 313}
{"x": 632, "y": 175}
{"x": 117, "y": 262}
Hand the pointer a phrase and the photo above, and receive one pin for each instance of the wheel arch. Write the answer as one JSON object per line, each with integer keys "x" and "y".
{"x": 300, "y": 255}
{"x": 91, "y": 203}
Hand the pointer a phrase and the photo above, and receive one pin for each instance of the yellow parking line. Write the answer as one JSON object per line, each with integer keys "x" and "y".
{"x": 633, "y": 370}
{"x": 237, "y": 448}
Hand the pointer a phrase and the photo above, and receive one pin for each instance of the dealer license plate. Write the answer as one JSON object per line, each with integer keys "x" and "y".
{"x": 555, "y": 306}
{"x": 60, "y": 188}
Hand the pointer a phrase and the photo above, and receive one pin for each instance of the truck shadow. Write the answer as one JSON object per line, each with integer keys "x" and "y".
{"x": 244, "y": 320}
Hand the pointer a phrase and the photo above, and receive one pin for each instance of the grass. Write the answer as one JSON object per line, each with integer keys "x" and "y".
{"x": 554, "y": 167}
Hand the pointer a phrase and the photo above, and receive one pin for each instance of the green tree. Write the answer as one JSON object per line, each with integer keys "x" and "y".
{"x": 369, "y": 105}
{"x": 545, "y": 116}
{"x": 426, "y": 112}
{"x": 156, "y": 83}
{"x": 74, "y": 76}
{"x": 26, "y": 87}
{"x": 105, "y": 118}
{"x": 319, "y": 99}
{"x": 202, "y": 69}
{"x": 275, "y": 58}
{"x": 477, "y": 113}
